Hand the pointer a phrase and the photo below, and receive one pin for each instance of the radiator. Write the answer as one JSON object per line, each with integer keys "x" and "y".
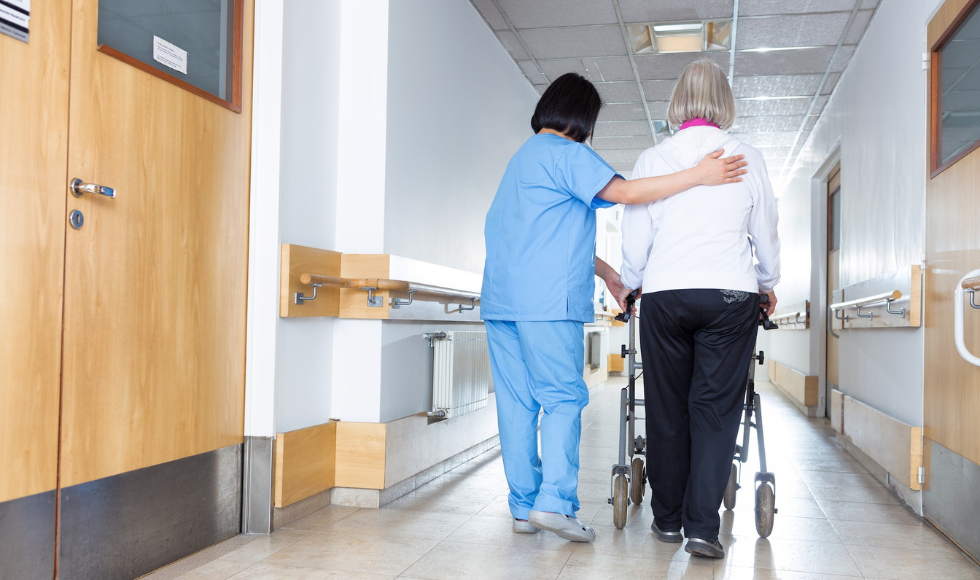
{"x": 594, "y": 354}
{"x": 461, "y": 377}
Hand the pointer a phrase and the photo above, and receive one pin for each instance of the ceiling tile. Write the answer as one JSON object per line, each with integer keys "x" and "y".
{"x": 803, "y": 61}
{"x": 540, "y": 88}
{"x": 658, "y": 109}
{"x": 606, "y": 143}
{"x": 767, "y": 7}
{"x": 775, "y": 85}
{"x": 577, "y": 41}
{"x": 619, "y": 92}
{"x": 514, "y": 47}
{"x": 623, "y": 167}
{"x": 670, "y": 66}
{"x": 767, "y": 124}
{"x": 531, "y": 71}
{"x": 869, "y": 4}
{"x": 622, "y": 129}
{"x": 671, "y": 10}
{"x": 784, "y": 139}
{"x": 658, "y": 90}
{"x": 550, "y": 13}
{"x": 843, "y": 57}
{"x": 819, "y": 106}
{"x": 780, "y": 31}
{"x": 858, "y": 27}
{"x": 490, "y": 14}
{"x": 614, "y": 68}
{"x": 628, "y": 112}
{"x": 620, "y": 155}
{"x": 773, "y": 107}
{"x": 811, "y": 121}
{"x": 831, "y": 83}
{"x": 774, "y": 152}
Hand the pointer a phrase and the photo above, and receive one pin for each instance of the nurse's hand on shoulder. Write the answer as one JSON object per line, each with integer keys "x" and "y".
{"x": 716, "y": 171}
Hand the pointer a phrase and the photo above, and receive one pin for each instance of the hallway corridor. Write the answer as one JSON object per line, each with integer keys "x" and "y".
{"x": 835, "y": 521}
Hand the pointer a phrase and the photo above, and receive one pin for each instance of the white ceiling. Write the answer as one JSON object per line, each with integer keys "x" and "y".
{"x": 778, "y": 92}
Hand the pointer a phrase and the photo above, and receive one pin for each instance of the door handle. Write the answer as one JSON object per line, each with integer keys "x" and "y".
{"x": 958, "y": 296}
{"x": 78, "y": 188}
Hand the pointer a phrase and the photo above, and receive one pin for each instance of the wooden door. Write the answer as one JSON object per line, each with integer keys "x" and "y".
{"x": 33, "y": 152}
{"x": 154, "y": 319}
{"x": 951, "y": 450}
{"x": 833, "y": 279}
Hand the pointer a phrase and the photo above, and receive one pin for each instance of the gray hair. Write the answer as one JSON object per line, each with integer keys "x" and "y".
{"x": 702, "y": 92}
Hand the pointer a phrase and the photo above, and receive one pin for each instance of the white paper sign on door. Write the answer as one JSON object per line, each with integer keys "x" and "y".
{"x": 169, "y": 55}
{"x": 15, "y": 18}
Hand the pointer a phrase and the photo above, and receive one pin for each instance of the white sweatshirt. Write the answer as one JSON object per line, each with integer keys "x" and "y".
{"x": 700, "y": 238}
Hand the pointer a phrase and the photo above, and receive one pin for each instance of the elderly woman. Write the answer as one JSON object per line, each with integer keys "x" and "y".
{"x": 538, "y": 283}
{"x": 692, "y": 254}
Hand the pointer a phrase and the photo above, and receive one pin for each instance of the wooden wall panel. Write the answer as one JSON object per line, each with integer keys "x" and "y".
{"x": 154, "y": 331}
{"x": 952, "y": 386}
{"x": 305, "y": 463}
{"x": 360, "y": 455}
{"x": 891, "y": 443}
{"x": 33, "y": 158}
{"x": 616, "y": 363}
{"x": 297, "y": 260}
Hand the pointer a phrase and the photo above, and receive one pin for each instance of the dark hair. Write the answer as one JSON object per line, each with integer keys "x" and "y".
{"x": 570, "y": 105}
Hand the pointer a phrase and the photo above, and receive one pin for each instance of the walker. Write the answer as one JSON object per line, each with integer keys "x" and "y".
{"x": 629, "y": 480}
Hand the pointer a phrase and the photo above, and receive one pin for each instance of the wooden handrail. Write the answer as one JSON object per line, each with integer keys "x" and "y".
{"x": 385, "y": 284}
{"x": 971, "y": 283}
{"x": 883, "y": 297}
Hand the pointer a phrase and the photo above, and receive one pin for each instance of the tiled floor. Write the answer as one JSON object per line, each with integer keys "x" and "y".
{"x": 835, "y": 521}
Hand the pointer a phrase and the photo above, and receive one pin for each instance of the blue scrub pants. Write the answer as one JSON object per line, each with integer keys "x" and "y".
{"x": 538, "y": 365}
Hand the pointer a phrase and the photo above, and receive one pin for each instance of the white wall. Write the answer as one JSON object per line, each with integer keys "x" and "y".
{"x": 308, "y": 198}
{"x": 878, "y": 116}
{"x": 458, "y": 109}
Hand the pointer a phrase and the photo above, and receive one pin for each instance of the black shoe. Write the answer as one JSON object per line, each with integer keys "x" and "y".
{"x": 667, "y": 537}
{"x": 698, "y": 547}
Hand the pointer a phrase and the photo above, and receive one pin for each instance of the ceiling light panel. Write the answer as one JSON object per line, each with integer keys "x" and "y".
{"x": 783, "y": 31}
{"x": 622, "y": 112}
{"x": 551, "y": 13}
{"x": 619, "y": 92}
{"x": 622, "y": 129}
{"x": 491, "y": 14}
{"x": 575, "y": 42}
{"x": 775, "y": 85}
{"x": 767, "y": 124}
{"x": 803, "y": 61}
{"x": 510, "y": 42}
{"x": 773, "y": 107}
{"x": 674, "y": 10}
{"x": 858, "y": 27}
{"x": 674, "y": 37}
{"x": 767, "y": 7}
{"x": 670, "y": 66}
{"x": 606, "y": 143}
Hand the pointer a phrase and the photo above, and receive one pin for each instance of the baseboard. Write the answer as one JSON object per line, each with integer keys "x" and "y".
{"x": 911, "y": 498}
{"x": 802, "y": 390}
{"x": 810, "y": 412}
{"x": 27, "y": 537}
{"x": 286, "y": 515}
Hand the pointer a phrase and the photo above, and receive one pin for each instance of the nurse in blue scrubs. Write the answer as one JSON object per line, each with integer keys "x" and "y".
{"x": 538, "y": 285}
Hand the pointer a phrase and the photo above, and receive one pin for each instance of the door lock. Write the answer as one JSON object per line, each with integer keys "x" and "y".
{"x": 78, "y": 188}
{"x": 76, "y": 219}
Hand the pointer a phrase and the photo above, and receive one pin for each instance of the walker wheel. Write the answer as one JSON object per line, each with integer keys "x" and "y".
{"x": 765, "y": 509}
{"x": 731, "y": 488}
{"x": 620, "y": 500}
{"x": 638, "y": 484}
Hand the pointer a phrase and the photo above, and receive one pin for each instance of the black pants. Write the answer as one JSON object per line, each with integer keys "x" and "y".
{"x": 696, "y": 347}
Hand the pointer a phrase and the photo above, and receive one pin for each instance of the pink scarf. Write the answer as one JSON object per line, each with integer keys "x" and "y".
{"x": 699, "y": 122}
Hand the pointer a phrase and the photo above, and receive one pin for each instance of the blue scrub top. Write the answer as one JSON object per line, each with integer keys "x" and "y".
{"x": 540, "y": 233}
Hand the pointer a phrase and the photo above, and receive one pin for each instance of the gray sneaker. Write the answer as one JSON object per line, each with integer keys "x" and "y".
{"x": 524, "y": 527}
{"x": 565, "y": 526}
{"x": 698, "y": 547}
{"x": 668, "y": 537}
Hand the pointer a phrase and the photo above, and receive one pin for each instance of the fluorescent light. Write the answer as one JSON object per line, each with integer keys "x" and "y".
{"x": 689, "y": 36}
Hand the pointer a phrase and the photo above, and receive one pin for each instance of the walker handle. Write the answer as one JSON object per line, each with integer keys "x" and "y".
{"x": 764, "y": 321}
{"x": 630, "y": 301}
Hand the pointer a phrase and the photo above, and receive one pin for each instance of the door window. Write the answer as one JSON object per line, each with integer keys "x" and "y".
{"x": 956, "y": 92}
